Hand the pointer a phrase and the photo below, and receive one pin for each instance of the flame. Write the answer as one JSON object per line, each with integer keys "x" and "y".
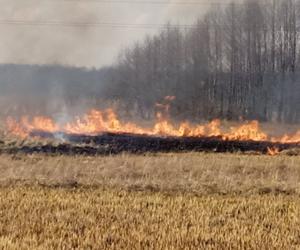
{"x": 25, "y": 126}
{"x": 290, "y": 138}
{"x": 248, "y": 131}
{"x": 170, "y": 98}
{"x": 16, "y": 128}
{"x": 273, "y": 151}
{"x": 97, "y": 122}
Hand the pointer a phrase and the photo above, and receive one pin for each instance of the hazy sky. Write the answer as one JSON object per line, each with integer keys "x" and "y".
{"x": 80, "y": 46}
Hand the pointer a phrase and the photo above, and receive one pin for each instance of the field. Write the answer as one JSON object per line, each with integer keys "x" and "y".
{"x": 162, "y": 201}
{"x": 197, "y": 173}
{"x": 45, "y": 218}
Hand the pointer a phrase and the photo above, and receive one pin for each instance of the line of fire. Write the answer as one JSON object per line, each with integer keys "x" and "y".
{"x": 104, "y": 128}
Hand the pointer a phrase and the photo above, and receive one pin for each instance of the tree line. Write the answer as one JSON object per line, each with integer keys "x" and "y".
{"x": 236, "y": 62}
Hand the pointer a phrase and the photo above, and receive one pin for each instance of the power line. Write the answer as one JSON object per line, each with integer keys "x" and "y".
{"x": 145, "y": 2}
{"x": 94, "y": 24}
{"x": 117, "y": 25}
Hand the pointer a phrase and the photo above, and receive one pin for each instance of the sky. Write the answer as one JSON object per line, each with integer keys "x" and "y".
{"x": 81, "y": 46}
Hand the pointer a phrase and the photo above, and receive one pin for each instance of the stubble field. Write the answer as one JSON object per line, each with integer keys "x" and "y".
{"x": 162, "y": 201}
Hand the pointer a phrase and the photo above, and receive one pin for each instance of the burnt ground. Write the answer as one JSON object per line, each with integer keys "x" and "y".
{"x": 110, "y": 143}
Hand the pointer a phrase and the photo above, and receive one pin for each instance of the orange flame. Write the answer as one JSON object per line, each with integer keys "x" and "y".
{"x": 248, "y": 131}
{"x": 96, "y": 122}
{"x": 25, "y": 127}
{"x": 273, "y": 151}
{"x": 290, "y": 138}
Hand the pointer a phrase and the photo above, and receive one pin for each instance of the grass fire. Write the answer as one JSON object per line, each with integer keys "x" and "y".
{"x": 96, "y": 122}
{"x": 104, "y": 128}
{"x": 144, "y": 124}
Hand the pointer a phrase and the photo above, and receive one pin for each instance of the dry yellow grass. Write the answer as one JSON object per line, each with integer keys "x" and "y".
{"x": 167, "y": 201}
{"x": 43, "y": 218}
{"x": 198, "y": 173}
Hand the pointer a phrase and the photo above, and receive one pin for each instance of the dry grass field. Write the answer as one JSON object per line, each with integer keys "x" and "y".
{"x": 87, "y": 218}
{"x": 166, "y": 201}
{"x": 197, "y": 173}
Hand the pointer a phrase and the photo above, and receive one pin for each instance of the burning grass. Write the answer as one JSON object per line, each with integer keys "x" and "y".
{"x": 110, "y": 135}
{"x": 97, "y": 122}
{"x": 106, "y": 144}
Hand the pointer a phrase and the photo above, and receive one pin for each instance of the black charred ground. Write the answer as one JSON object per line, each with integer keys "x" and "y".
{"x": 109, "y": 143}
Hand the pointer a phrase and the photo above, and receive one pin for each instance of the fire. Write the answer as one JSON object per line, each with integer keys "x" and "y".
{"x": 25, "y": 126}
{"x": 248, "y": 131}
{"x": 273, "y": 151}
{"x": 290, "y": 138}
{"x": 170, "y": 98}
{"x": 96, "y": 122}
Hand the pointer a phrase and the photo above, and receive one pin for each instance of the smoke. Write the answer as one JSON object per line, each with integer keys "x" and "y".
{"x": 38, "y": 90}
{"x": 80, "y": 46}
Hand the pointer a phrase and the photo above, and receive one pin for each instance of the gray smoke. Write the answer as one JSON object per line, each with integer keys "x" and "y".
{"x": 80, "y": 46}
